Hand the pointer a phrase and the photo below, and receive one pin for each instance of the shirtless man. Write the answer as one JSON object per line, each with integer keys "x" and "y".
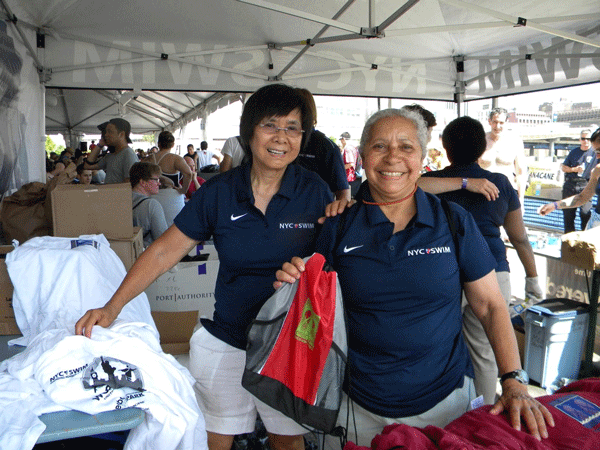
{"x": 504, "y": 151}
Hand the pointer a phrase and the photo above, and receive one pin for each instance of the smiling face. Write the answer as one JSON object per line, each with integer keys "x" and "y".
{"x": 497, "y": 122}
{"x": 275, "y": 151}
{"x": 392, "y": 158}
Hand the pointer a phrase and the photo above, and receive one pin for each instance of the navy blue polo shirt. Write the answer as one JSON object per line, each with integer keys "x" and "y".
{"x": 488, "y": 215}
{"x": 252, "y": 246}
{"x": 322, "y": 156}
{"x": 575, "y": 158}
{"x": 402, "y": 295}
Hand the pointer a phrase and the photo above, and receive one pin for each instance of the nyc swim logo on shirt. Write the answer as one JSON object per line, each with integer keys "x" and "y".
{"x": 284, "y": 226}
{"x": 428, "y": 251}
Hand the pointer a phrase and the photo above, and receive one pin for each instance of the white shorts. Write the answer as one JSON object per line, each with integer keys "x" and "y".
{"x": 228, "y": 408}
{"x": 363, "y": 425}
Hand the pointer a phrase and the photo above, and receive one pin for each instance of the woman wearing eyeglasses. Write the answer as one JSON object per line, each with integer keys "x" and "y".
{"x": 260, "y": 215}
{"x": 585, "y": 195}
{"x": 147, "y": 211}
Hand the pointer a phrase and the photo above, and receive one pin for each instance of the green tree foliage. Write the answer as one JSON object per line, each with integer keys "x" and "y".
{"x": 52, "y": 147}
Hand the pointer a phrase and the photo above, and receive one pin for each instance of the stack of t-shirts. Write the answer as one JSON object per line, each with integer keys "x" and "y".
{"x": 119, "y": 367}
{"x": 56, "y": 280}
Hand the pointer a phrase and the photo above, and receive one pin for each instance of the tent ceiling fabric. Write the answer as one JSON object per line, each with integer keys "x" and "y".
{"x": 422, "y": 49}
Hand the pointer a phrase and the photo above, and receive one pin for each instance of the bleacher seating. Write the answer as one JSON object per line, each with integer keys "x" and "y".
{"x": 551, "y": 222}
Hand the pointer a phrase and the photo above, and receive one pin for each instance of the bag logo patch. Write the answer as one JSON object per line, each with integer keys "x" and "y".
{"x": 308, "y": 326}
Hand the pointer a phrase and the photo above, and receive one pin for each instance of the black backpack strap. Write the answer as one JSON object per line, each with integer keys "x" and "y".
{"x": 451, "y": 223}
{"x": 140, "y": 202}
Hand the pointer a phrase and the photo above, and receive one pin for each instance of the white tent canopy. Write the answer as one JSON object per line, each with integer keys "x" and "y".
{"x": 453, "y": 50}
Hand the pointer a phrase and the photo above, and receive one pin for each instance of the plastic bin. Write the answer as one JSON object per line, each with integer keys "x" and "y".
{"x": 555, "y": 332}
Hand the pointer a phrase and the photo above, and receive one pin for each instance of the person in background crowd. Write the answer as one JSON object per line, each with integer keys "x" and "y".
{"x": 233, "y": 154}
{"x": 322, "y": 156}
{"x": 433, "y": 160}
{"x": 172, "y": 165}
{"x": 402, "y": 277}
{"x": 154, "y": 149}
{"x": 208, "y": 161}
{"x": 504, "y": 152}
{"x": 591, "y": 188}
{"x": 197, "y": 181}
{"x": 577, "y": 167}
{"x": 427, "y": 116}
{"x": 53, "y": 156}
{"x": 92, "y": 145}
{"x": 140, "y": 153}
{"x": 192, "y": 152}
{"x": 464, "y": 141}
{"x": 84, "y": 176}
{"x": 115, "y": 133}
{"x": 147, "y": 212}
{"x": 352, "y": 162}
{"x": 236, "y": 208}
{"x": 172, "y": 195}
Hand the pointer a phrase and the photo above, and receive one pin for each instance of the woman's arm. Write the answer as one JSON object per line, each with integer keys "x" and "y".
{"x": 185, "y": 170}
{"x": 489, "y": 307}
{"x": 439, "y": 185}
{"x": 576, "y": 200}
{"x": 156, "y": 260}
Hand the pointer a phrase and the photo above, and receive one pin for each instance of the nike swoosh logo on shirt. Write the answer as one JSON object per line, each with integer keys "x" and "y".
{"x": 233, "y": 218}
{"x": 346, "y": 249}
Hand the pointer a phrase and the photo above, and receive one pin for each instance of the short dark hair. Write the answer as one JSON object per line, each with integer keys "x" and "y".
{"x": 273, "y": 100}
{"x": 122, "y": 125}
{"x": 310, "y": 101}
{"x": 142, "y": 171}
{"x": 428, "y": 116}
{"x": 464, "y": 140}
{"x": 595, "y": 135}
{"x": 165, "y": 139}
{"x": 80, "y": 168}
{"x": 498, "y": 111}
{"x": 203, "y": 145}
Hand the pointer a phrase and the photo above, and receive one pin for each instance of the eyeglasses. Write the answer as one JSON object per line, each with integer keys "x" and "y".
{"x": 293, "y": 131}
{"x": 155, "y": 179}
{"x": 585, "y": 139}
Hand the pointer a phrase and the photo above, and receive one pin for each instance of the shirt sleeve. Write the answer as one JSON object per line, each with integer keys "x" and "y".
{"x": 158, "y": 223}
{"x": 569, "y": 160}
{"x": 197, "y": 219}
{"x": 228, "y": 147}
{"x": 129, "y": 160}
{"x": 471, "y": 243}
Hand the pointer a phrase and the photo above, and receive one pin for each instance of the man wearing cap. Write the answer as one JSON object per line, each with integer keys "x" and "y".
{"x": 115, "y": 133}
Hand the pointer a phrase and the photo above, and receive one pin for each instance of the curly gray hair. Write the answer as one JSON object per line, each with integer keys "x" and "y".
{"x": 413, "y": 116}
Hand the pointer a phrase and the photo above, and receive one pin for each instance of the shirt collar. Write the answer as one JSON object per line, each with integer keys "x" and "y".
{"x": 287, "y": 188}
{"x": 376, "y": 216}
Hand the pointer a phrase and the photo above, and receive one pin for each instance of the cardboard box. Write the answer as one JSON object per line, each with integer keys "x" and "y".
{"x": 182, "y": 296}
{"x": 582, "y": 248}
{"x": 129, "y": 250}
{"x": 94, "y": 209}
{"x": 8, "y": 325}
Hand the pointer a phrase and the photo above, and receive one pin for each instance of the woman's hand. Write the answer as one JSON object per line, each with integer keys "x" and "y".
{"x": 289, "y": 272}
{"x": 336, "y": 207}
{"x": 483, "y": 186}
{"x": 547, "y": 208}
{"x": 518, "y": 403}
{"x": 104, "y": 317}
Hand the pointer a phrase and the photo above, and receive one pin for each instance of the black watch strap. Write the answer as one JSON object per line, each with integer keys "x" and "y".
{"x": 519, "y": 375}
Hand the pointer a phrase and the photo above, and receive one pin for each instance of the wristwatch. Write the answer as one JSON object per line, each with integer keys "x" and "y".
{"x": 519, "y": 375}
